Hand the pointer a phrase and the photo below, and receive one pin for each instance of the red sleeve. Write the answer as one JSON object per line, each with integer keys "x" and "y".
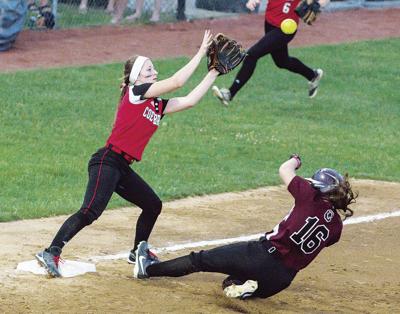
{"x": 301, "y": 189}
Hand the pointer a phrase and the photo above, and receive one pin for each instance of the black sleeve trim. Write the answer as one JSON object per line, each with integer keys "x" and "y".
{"x": 164, "y": 104}
{"x": 140, "y": 90}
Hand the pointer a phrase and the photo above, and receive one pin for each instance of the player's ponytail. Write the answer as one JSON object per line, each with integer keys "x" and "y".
{"x": 125, "y": 79}
{"x": 342, "y": 197}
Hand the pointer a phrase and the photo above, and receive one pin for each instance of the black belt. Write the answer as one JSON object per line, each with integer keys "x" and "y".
{"x": 124, "y": 155}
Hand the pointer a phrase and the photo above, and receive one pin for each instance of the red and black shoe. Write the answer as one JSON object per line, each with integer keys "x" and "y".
{"x": 49, "y": 259}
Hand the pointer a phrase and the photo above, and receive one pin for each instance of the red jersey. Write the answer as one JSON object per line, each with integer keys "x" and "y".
{"x": 136, "y": 121}
{"x": 311, "y": 225}
{"x": 279, "y": 10}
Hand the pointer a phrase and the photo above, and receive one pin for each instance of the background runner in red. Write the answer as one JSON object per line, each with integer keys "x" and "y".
{"x": 275, "y": 43}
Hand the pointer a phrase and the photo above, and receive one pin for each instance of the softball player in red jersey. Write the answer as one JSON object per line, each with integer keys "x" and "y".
{"x": 137, "y": 118}
{"x": 265, "y": 267}
{"x": 274, "y": 42}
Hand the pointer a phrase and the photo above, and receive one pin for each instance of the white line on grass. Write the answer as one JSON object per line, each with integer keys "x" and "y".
{"x": 190, "y": 245}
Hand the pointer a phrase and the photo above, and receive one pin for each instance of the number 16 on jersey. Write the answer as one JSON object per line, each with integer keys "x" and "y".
{"x": 311, "y": 235}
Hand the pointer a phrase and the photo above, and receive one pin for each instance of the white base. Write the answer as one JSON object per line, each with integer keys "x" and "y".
{"x": 67, "y": 268}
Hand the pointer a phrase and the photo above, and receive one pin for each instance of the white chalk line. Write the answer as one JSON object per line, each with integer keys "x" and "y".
{"x": 190, "y": 245}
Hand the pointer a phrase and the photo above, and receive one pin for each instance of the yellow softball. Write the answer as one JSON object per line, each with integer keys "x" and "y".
{"x": 288, "y": 26}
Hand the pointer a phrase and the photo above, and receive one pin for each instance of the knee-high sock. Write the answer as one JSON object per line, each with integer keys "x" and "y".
{"x": 144, "y": 226}
{"x": 69, "y": 229}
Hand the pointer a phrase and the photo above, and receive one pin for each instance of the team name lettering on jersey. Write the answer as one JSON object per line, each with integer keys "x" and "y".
{"x": 151, "y": 116}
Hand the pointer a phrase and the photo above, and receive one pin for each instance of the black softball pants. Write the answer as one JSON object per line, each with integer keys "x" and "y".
{"x": 274, "y": 42}
{"x": 243, "y": 261}
{"x": 109, "y": 172}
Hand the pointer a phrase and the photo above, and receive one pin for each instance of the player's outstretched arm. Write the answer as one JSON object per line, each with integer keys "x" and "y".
{"x": 180, "y": 78}
{"x": 287, "y": 171}
{"x": 181, "y": 103}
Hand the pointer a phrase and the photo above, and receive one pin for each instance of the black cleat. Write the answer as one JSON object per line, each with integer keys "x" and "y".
{"x": 131, "y": 257}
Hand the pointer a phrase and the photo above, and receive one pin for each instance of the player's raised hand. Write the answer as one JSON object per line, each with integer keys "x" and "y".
{"x": 251, "y": 4}
{"x": 298, "y": 160}
{"x": 207, "y": 40}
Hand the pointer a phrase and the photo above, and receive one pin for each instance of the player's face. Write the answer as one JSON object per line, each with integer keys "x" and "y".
{"x": 148, "y": 74}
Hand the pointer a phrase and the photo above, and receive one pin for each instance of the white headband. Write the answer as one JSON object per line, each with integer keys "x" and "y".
{"x": 136, "y": 68}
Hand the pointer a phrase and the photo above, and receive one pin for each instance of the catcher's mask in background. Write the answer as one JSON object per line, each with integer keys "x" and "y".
{"x": 326, "y": 180}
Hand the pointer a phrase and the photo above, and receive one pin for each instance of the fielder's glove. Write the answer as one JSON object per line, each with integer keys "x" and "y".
{"x": 308, "y": 10}
{"x": 224, "y": 54}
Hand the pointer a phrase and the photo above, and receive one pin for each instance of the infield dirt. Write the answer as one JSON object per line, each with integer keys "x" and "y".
{"x": 360, "y": 274}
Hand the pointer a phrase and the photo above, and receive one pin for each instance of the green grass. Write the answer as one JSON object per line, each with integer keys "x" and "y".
{"x": 53, "y": 120}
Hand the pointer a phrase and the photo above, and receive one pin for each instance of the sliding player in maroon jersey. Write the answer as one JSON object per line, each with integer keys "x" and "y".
{"x": 265, "y": 267}
{"x": 137, "y": 118}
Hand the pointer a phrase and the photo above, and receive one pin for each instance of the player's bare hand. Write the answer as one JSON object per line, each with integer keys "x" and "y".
{"x": 207, "y": 39}
{"x": 298, "y": 160}
{"x": 251, "y": 4}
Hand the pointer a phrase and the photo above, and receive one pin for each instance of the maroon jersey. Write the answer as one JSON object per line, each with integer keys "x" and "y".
{"x": 311, "y": 225}
{"x": 279, "y": 10}
{"x": 136, "y": 121}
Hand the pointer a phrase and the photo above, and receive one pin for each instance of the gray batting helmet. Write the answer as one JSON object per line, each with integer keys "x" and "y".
{"x": 326, "y": 180}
